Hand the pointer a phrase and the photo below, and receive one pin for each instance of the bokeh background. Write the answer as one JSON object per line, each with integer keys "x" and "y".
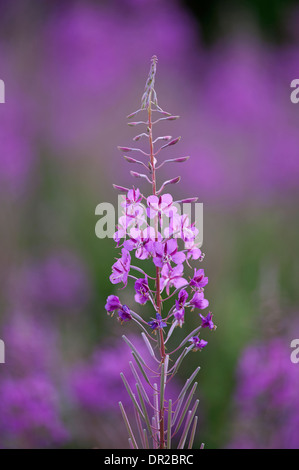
{"x": 73, "y": 71}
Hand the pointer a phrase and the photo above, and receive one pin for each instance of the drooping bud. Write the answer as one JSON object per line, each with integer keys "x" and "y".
{"x": 164, "y": 137}
{"x": 124, "y": 149}
{"x": 132, "y": 124}
{"x": 120, "y": 188}
{"x": 140, "y": 175}
{"x": 180, "y": 159}
{"x": 166, "y": 183}
{"x": 133, "y": 114}
{"x": 132, "y": 160}
{"x": 188, "y": 200}
{"x": 168, "y": 118}
{"x": 138, "y": 137}
{"x": 172, "y": 142}
{"x": 173, "y": 160}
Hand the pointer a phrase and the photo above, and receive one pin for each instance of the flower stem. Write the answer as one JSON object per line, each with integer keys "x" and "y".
{"x": 158, "y": 294}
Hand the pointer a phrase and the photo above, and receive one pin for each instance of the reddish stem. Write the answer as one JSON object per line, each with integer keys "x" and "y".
{"x": 158, "y": 294}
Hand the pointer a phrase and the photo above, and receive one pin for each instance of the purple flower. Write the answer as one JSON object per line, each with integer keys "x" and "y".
{"x": 179, "y": 315}
{"x": 142, "y": 291}
{"x": 160, "y": 206}
{"x": 179, "y": 226}
{"x": 121, "y": 229}
{"x": 167, "y": 252}
{"x": 193, "y": 251}
{"x": 199, "y": 280}
{"x": 113, "y": 304}
{"x": 207, "y": 321}
{"x": 172, "y": 277}
{"x": 141, "y": 241}
{"x": 182, "y": 299}
{"x": 158, "y": 323}
{"x": 198, "y": 301}
{"x": 179, "y": 311}
{"x": 199, "y": 344}
{"x": 133, "y": 197}
{"x": 121, "y": 268}
{"x": 124, "y": 314}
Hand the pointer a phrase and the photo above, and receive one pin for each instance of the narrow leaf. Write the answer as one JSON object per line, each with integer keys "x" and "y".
{"x": 156, "y": 403}
{"x": 145, "y": 439}
{"x": 193, "y": 431}
{"x": 127, "y": 423}
{"x": 131, "y": 394}
{"x": 149, "y": 346}
{"x": 154, "y": 433}
{"x": 187, "y": 404}
{"x": 162, "y": 386}
{"x": 178, "y": 362}
{"x": 169, "y": 424}
{"x": 189, "y": 381}
{"x": 141, "y": 368}
{"x": 137, "y": 378}
{"x": 193, "y": 333}
{"x": 146, "y": 417}
{"x": 139, "y": 427}
{"x": 171, "y": 329}
{"x": 187, "y": 425}
{"x": 131, "y": 345}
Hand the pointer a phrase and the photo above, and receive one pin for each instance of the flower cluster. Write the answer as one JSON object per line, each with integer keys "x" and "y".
{"x": 152, "y": 228}
{"x": 136, "y": 233}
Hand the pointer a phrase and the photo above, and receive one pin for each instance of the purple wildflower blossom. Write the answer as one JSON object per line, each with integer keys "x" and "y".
{"x": 158, "y": 323}
{"x": 141, "y": 241}
{"x": 124, "y": 314}
{"x": 180, "y": 227}
{"x": 133, "y": 197}
{"x": 182, "y": 299}
{"x": 199, "y": 344}
{"x": 113, "y": 304}
{"x": 207, "y": 321}
{"x": 193, "y": 251}
{"x": 167, "y": 252}
{"x": 121, "y": 268}
{"x": 172, "y": 277}
{"x": 198, "y": 301}
{"x": 199, "y": 280}
{"x": 161, "y": 206}
{"x": 142, "y": 291}
{"x": 179, "y": 311}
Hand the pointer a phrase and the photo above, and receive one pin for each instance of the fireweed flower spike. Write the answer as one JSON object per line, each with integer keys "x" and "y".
{"x": 152, "y": 229}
